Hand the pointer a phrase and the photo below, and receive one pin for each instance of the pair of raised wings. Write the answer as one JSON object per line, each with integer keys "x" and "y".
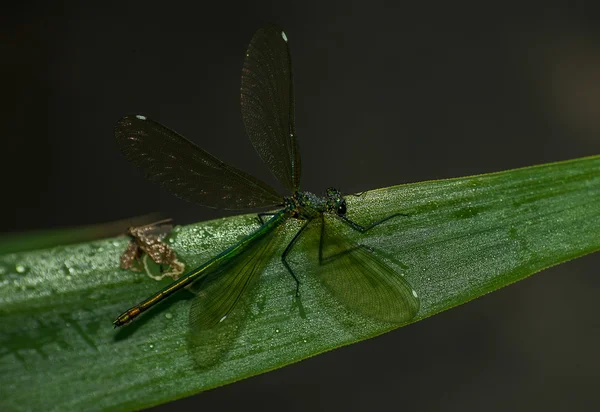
{"x": 352, "y": 273}
{"x": 192, "y": 173}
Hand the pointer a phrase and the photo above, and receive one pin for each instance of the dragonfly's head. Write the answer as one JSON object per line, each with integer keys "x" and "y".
{"x": 335, "y": 201}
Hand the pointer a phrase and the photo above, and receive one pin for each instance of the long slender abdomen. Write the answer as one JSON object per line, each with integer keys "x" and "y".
{"x": 202, "y": 270}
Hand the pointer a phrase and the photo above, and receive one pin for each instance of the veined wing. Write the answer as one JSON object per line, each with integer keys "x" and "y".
{"x": 361, "y": 281}
{"x": 267, "y": 98}
{"x": 223, "y": 299}
{"x": 186, "y": 170}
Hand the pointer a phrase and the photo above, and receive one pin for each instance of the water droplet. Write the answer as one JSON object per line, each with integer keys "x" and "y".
{"x": 304, "y": 340}
{"x": 151, "y": 346}
{"x": 276, "y": 330}
{"x": 68, "y": 277}
{"x": 284, "y": 37}
{"x": 20, "y": 268}
{"x": 414, "y": 292}
{"x": 140, "y": 117}
{"x": 168, "y": 316}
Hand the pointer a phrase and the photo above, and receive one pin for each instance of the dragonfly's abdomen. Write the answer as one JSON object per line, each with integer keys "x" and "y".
{"x": 202, "y": 270}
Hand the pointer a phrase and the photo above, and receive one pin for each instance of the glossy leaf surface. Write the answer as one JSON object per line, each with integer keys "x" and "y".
{"x": 464, "y": 238}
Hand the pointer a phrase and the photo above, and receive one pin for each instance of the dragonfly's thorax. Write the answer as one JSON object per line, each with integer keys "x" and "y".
{"x": 307, "y": 205}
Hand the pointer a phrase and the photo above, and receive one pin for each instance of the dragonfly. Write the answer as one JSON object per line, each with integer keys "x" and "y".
{"x": 354, "y": 275}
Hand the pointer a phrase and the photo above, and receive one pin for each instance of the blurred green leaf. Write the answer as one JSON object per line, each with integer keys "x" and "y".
{"x": 40, "y": 239}
{"x": 464, "y": 238}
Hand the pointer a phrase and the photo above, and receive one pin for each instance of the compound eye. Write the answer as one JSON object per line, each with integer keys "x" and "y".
{"x": 341, "y": 209}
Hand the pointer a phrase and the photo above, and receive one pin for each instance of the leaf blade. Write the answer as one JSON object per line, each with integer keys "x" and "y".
{"x": 464, "y": 238}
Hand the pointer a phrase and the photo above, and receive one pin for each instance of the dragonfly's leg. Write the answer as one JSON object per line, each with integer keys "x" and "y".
{"x": 287, "y": 250}
{"x": 363, "y": 229}
{"x": 260, "y": 216}
{"x": 325, "y": 259}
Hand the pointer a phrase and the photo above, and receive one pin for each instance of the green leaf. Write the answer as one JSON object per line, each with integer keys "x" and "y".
{"x": 464, "y": 238}
{"x": 21, "y": 242}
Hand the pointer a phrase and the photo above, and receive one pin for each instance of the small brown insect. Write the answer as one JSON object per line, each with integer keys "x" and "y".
{"x": 148, "y": 241}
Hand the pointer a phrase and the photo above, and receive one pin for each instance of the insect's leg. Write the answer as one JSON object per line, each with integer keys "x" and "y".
{"x": 326, "y": 259}
{"x": 147, "y": 269}
{"x": 139, "y": 252}
{"x": 175, "y": 267}
{"x": 287, "y": 250}
{"x": 128, "y": 257}
{"x": 260, "y": 216}
{"x": 363, "y": 229}
{"x": 131, "y": 256}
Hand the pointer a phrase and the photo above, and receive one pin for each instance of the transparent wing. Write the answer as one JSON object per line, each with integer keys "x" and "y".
{"x": 267, "y": 98}
{"x": 361, "y": 281}
{"x": 186, "y": 170}
{"x": 223, "y": 298}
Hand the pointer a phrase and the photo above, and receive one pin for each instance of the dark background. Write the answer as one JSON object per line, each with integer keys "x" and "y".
{"x": 386, "y": 94}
